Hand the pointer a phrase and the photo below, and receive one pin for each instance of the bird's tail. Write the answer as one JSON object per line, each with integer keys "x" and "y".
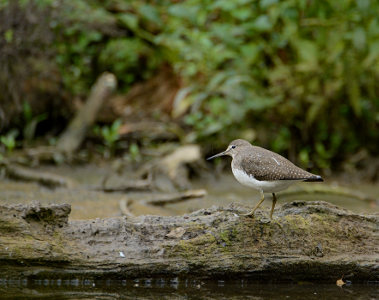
{"x": 314, "y": 178}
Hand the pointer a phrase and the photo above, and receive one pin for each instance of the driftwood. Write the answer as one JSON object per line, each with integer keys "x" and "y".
{"x": 330, "y": 190}
{"x": 44, "y": 178}
{"x": 306, "y": 241}
{"x": 128, "y": 205}
{"x": 172, "y": 198}
{"x": 73, "y": 136}
{"x": 124, "y": 207}
{"x": 169, "y": 172}
{"x": 135, "y": 185}
{"x": 151, "y": 130}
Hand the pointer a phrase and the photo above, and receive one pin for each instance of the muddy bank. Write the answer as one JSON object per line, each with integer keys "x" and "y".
{"x": 307, "y": 241}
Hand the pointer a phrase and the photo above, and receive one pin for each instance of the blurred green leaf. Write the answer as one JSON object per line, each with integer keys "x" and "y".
{"x": 8, "y": 35}
{"x": 134, "y": 152}
{"x": 354, "y": 96}
{"x": 129, "y": 20}
{"x": 373, "y": 54}
{"x": 304, "y": 157}
{"x": 262, "y": 23}
{"x": 314, "y": 110}
{"x": 9, "y": 140}
{"x": 241, "y": 14}
{"x": 27, "y": 111}
{"x": 359, "y": 38}
{"x": 307, "y": 50}
{"x": 150, "y": 12}
{"x": 258, "y": 103}
{"x": 266, "y": 3}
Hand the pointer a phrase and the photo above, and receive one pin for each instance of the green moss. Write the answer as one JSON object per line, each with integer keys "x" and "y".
{"x": 194, "y": 226}
{"x": 8, "y": 226}
{"x": 229, "y": 236}
{"x": 297, "y": 222}
{"x": 225, "y": 237}
{"x": 203, "y": 244}
{"x": 22, "y": 247}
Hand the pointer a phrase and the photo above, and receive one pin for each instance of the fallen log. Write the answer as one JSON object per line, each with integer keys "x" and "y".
{"x": 306, "y": 241}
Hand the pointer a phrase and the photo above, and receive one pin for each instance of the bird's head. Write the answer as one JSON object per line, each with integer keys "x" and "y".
{"x": 233, "y": 148}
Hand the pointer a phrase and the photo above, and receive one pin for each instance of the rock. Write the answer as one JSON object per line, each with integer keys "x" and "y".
{"x": 176, "y": 233}
{"x": 306, "y": 241}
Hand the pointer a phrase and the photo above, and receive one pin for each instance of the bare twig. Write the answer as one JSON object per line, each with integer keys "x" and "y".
{"x": 136, "y": 185}
{"x": 44, "y": 178}
{"x": 124, "y": 206}
{"x": 330, "y": 190}
{"x": 163, "y": 199}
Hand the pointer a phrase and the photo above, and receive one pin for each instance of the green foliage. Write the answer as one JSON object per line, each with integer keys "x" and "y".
{"x": 9, "y": 140}
{"x": 110, "y": 135}
{"x": 31, "y": 122}
{"x": 8, "y": 35}
{"x": 122, "y": 57}
{"x": 91, "y": 43}
{"x": 134, "y": 152}
{"x": 303, "y": 74}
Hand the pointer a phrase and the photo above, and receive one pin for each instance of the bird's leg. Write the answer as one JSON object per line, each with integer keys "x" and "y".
{"x": 273, "y": 204}
{"x": 255, "y": 208}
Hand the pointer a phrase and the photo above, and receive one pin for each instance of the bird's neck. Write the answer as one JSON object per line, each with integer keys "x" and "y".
{"x": 235, "y": 160}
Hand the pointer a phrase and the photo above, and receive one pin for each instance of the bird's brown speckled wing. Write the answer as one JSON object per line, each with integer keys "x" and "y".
{"x": 266, "y": 165}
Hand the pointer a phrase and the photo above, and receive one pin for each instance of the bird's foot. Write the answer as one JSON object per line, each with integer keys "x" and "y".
{"x": 249, "y": 214}
{"x": 265, "y": 220}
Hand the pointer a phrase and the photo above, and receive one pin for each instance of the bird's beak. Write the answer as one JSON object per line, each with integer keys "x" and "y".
{"x": 218, "y": 155}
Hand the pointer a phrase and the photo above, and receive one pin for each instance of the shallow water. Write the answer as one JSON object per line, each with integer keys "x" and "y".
{"x": 89, "y": 204}
{"x": 178, "y": 289}
{"x": 225, "y": 190}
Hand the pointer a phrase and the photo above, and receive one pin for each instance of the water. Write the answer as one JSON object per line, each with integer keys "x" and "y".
{"x": 178, "y": 289}
{"x": 90, "y": 204}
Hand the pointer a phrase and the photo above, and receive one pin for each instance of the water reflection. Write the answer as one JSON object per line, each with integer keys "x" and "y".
{"x": 152, "y": 288}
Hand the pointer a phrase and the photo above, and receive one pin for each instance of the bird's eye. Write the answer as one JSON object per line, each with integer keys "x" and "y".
{"x": 233, "y": 146}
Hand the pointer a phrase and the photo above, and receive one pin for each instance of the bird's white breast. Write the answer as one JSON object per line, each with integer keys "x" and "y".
{"x": 265, "y": 186}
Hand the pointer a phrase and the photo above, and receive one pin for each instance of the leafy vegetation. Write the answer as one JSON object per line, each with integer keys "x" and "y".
{"x": 110, "y": 135}
{"x": 31, "y": 122}
{"x": 296, "y": 76}
{"x": 9, "y": 140}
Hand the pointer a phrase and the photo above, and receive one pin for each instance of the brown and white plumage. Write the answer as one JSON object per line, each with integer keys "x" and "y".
{"x": 266, "y": 165}
{"x": 263, "y": 169}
